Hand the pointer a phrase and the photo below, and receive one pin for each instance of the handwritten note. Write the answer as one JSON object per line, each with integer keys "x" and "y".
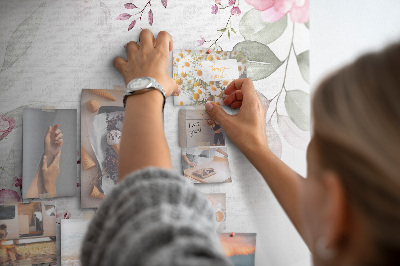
{"x": 219, "y": 70}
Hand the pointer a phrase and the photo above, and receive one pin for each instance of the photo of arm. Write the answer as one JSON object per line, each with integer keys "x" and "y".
{"x": 48, "y": 169}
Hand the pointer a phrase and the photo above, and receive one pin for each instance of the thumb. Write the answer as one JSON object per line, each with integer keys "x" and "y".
{"x": 44, "y": 163}
{"x": 218, "y": 113}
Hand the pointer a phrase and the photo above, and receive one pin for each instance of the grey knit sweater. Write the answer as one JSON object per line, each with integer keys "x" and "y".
{"x": 153, "y": 217}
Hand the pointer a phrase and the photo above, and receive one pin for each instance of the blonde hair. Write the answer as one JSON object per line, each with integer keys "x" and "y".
{"x": 356, "y": 114}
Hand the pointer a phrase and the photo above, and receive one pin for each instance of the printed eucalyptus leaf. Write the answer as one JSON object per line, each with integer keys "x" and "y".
{"x": 292, "y": 134}
{"x": 274, "y": 142}
{"x": 253, "y": 28}
{"x": 297, "y": 105}
{"x": 261, "y": 61}
{"x": 307, "y": 24}
{"x": 303, "y": 60}
{"x": 22, "y": 37}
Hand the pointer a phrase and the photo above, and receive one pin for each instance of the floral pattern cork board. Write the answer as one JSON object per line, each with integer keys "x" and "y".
{"x": 204, "y": 74}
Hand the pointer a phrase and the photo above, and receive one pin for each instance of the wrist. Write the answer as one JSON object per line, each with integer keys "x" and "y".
{"x": 148, "y": 100}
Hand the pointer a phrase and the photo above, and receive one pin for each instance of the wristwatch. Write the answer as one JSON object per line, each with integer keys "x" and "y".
{"x": 142, "y": 85}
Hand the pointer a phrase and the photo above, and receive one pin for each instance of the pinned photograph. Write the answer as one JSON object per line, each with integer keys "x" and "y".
{"x": 204, "y": 75}
{"x": 72, "y": 233}
{"x": 198, "y": 128}
{"x": 49, "y": 153}
{"x": 206, "y": 164}
{"x": 218, "y": 201}
{"x": 239, "y": 247}
{"x": 102, "y": 114}
{"x": 28, "y": 233}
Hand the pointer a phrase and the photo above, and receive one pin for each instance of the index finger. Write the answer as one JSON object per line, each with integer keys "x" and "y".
{"x": 244, "y": 84}
{"x": 164, "y": 41}
{"x": 55, "y": 127}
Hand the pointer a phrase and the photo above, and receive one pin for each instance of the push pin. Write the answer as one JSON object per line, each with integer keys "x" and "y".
{"x": 232, "y": 234}
{"x": 208, "y": 51}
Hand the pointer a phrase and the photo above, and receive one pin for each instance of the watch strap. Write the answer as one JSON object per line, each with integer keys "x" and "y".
{"x": 154, "y": 86}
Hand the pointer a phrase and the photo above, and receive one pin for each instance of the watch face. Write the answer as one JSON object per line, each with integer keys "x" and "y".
{"x": 140, "y": 83}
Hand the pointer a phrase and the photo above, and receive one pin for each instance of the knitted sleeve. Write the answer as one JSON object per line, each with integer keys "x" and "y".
{"x": 153, "y": 217}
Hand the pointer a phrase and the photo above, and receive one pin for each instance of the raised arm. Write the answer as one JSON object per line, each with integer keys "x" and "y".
{"x": 143, "y": 130}
{"x": 251, "y": 121}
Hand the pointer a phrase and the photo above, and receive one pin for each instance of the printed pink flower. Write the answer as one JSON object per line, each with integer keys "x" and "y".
{"x": 65, "y": 214}
{"x": 214, "y": 9}
{"x": 6, "y": 125}
{"x": 231, "y": 2}
{"x": 8, "y": 195}
{"x": 18, "y": 182}
{"x": 235, "y": 10}
{"x": 274, "y": 10}
{"x": 124, "y": 16}
{"x": 201, "y": 41}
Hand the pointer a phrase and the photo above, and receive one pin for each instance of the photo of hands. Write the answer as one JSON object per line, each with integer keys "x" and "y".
{"x": 49, "y": 152}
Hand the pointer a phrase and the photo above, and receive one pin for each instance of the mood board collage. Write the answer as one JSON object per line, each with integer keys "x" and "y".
{"x": 28, "y": 229}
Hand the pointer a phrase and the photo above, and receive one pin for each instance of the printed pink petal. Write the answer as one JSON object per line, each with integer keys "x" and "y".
{"x": 214, "y": 9}
{"x": 8, "y": 195}
{"x": 130, "y": 6}
{"x": 261, "y": 5}
{"x": 150, "y": 17}
{"x": 235, "y": 10}
{"x": 6, "y": 126}
{"x": 231, "y": 2}
{"x": 284, "y": 6}
{"x": 271, "y": 15}
{"x": 164, "y": 3}
{"x": 301, "y": 14}
{"x": 132, "y": 25}
{"x": 124, "y": 16}
{"x": 201, "y": 41}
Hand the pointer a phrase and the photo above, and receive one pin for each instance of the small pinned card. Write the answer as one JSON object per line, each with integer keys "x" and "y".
{"x": 204, "y": 76}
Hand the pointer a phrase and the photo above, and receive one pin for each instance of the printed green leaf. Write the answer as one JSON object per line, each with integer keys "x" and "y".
{"x": 254, "y": 29}
{"x": 229, "y": 34}
{"x": 22, "y": 37}
{"x": 303, "y": 60}
{"x": 222, "y": 30}
{"x": 307, "y": 24}
{"x": 297, "y": 105}
{"x": 233, "y": 30}
{"x": 261, "y": 61}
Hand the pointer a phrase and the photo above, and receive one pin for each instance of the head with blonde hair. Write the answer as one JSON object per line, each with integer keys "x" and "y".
{"x": 354, "y": 164}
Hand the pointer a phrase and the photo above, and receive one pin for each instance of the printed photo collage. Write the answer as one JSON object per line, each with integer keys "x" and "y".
{"x": 50, "y": 158}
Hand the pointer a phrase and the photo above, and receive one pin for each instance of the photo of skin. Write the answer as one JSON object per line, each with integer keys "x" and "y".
{"x": 49, "y": 153}
{"x": 44, "y": 182}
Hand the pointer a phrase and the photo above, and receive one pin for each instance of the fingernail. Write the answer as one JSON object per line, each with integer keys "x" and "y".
{"x": 209, "y": 106}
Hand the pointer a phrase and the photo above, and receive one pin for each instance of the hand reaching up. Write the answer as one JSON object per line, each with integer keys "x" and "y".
{"x": 53, "y": 141}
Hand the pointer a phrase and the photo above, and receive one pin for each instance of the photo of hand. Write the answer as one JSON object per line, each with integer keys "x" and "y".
{"x": 44, "y": 182}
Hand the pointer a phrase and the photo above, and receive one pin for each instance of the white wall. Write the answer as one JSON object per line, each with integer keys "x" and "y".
{"x": 342, "y": 29}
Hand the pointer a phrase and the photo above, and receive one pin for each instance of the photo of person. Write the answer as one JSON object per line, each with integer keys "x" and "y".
{"x": 198, "y": 128}
{"x": 209, "y": 165}
{"x": 9, "y": 250}
{"x": 49, "y": 153}
{"x": 216, "y": 129}
{"x": 44, "y": 182}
